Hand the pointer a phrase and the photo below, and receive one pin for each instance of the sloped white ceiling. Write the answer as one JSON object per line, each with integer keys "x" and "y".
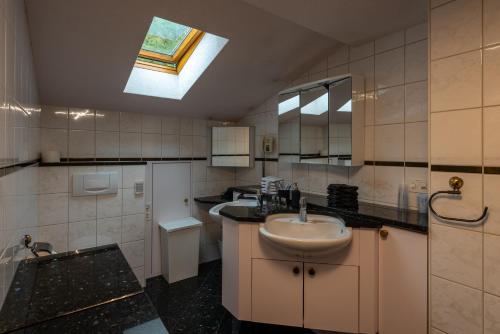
{"x": 84, "y": 51}
{"x": 348, "y": 21}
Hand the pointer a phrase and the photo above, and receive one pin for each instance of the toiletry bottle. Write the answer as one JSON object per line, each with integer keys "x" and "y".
{"x": 295, "y": 196}
{"x": 422, "y": 202}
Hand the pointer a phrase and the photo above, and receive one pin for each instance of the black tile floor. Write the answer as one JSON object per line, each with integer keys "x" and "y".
{"x": 194, "y": 306}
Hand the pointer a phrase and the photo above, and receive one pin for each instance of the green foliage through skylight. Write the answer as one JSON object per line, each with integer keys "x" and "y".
{"x": 165, "y": 36}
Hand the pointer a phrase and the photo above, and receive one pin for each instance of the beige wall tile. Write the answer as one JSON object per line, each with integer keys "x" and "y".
{"x": 151, "y": 123}
{"x": 54, "y": 139}
{"x": 81, "y": 144}
{"x": 416, "y": 62}
{"x": 389, "y": 142}
{"x": 57, "y": 235}
{"x": 468, "y": 206}
{"x": 491, "y": 314}
{"x": 361, "y": 51}
{"x": 109, "y": 205}
{"x": 369, "y": 108}
{"x": 389, "y": 68}
{"x": 387, "y": 181}
{"x": 455, "y": 308}
{"x": 491, "y": 264}
{"x": 366, "y": 68}
{"x": 130, "y": 122}
{"x": 369, "y": 143}
{"x": 151, "y": 145}
{"x": 170, "y": 146}
{"x": 82, "y": 235}
{"x": 416, "y": 33}
{"x": 170, "y": 125}
{"x": 107, "y": 120}
{"x": 107, "y": 144}
{"x": 491, "y": 136}
{"x": 363, "y": 177}
{"x": 457, "y": 254}
{"x": 456, "y": 137}
{"x": 390, "y": 41}
{"x": 52, "y": 180}
{"x": 109, "y": 230}
{"x": 416, "y": 102}
{"x": 416, "y": 141}
{"x": 456, "y": 27}
{"x": 389, "y": 105}
{"x": 492, "y": 201}
{"x": 52, "y": 209}
{"x": 81, "y": 119}
{"x": 491, "y": 24}
{"x": 491, "y": 76}
{"x": 82, "y": 208}
{"x": 456, "y": 82}
{"x": 54, "y": 117}
{"x": 318, "y": 178}
{"x": 130, "y": 145}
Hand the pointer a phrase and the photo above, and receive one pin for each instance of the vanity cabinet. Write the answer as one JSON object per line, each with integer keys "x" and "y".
{"x": 331, "y": 297}
{"x": 336, "y": 292}
{"x": 277, "y": 285}
{"x": 402, "y": 282}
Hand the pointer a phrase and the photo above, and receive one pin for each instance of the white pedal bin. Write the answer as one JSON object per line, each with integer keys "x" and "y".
{"x": 180, "y": 246}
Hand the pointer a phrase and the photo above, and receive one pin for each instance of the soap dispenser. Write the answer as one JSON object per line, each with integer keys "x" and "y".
{"x": 295, "y": 196}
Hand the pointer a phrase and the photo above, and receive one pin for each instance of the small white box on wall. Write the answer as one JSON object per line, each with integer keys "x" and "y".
{"x": 101, "y": 183}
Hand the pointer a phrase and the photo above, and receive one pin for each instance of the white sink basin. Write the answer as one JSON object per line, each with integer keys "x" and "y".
{"x": 321, "y": 234}
{"x": 214, "y": 211}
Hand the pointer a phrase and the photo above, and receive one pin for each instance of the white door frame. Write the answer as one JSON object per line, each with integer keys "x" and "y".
{"x": 148, "y": 238}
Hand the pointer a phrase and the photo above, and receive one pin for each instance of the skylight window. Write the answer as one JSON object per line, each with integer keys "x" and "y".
{"x": 167, "y": 46}
{"x": 171, "y": 58}
{"x": 289, "y": 104}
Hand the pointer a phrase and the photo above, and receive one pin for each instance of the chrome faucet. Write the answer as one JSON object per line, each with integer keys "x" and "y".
{"x": 303, "y": 210}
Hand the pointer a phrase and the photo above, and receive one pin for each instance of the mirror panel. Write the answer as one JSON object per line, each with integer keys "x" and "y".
{"x": 289, "y": 127}
{"x": 322, "y": 122}
{"x": 314, "y": 126}
{"x": 340, "y": 123}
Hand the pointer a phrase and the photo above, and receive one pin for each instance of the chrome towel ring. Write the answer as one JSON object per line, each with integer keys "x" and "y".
{"x": 455, "y": 183}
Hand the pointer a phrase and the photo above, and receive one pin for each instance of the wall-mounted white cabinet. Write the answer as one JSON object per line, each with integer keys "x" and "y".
{"x": 232, "y": 146}
{"x": 402, "y": 282}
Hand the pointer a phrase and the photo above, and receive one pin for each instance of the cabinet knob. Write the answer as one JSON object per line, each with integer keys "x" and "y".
{"x": 384, "y": 234}
{"x": 296, "y": 270}
{"x": 186, "y": 201}
{"x": 312, "y": 272}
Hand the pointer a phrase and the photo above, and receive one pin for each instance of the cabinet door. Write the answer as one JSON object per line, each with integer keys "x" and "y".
{"x": 402, "y": 282}
{"x": 277, "y": 292}
{"x": 331, "y": 297}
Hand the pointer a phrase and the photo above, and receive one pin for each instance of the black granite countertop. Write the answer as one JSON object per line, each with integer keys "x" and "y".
{"x": 49, "y": 289}
{"x": 368, "y": 215}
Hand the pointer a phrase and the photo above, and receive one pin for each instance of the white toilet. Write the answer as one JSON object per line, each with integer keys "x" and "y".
{"x": 180, "y": 244}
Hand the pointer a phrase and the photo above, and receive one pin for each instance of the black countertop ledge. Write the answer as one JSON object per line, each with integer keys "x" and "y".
{"x": 87, "y": 291}
{"x": 367, "y": 215}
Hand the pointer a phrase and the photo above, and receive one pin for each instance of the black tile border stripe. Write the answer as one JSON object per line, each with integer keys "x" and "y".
{"x": 397, "y": 163}
{"x": 114, "y": 161}
{"x": 267, "y": 159}
{"x": 492, "y": 170}
{"x": 14, "y": 167}
{"x": 457, "y": 169}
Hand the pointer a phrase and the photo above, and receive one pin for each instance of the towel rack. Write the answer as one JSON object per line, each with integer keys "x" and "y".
{"x": 455, "y": 183}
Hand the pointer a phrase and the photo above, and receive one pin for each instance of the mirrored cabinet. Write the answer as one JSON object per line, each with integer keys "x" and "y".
{"x": 322, "y": 122}
{"x": 232, "y": 146}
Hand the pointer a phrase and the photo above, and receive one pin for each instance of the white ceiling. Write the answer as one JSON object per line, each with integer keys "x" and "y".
{"x": 84, "y": 51}
{"x": 348, "y": 21}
